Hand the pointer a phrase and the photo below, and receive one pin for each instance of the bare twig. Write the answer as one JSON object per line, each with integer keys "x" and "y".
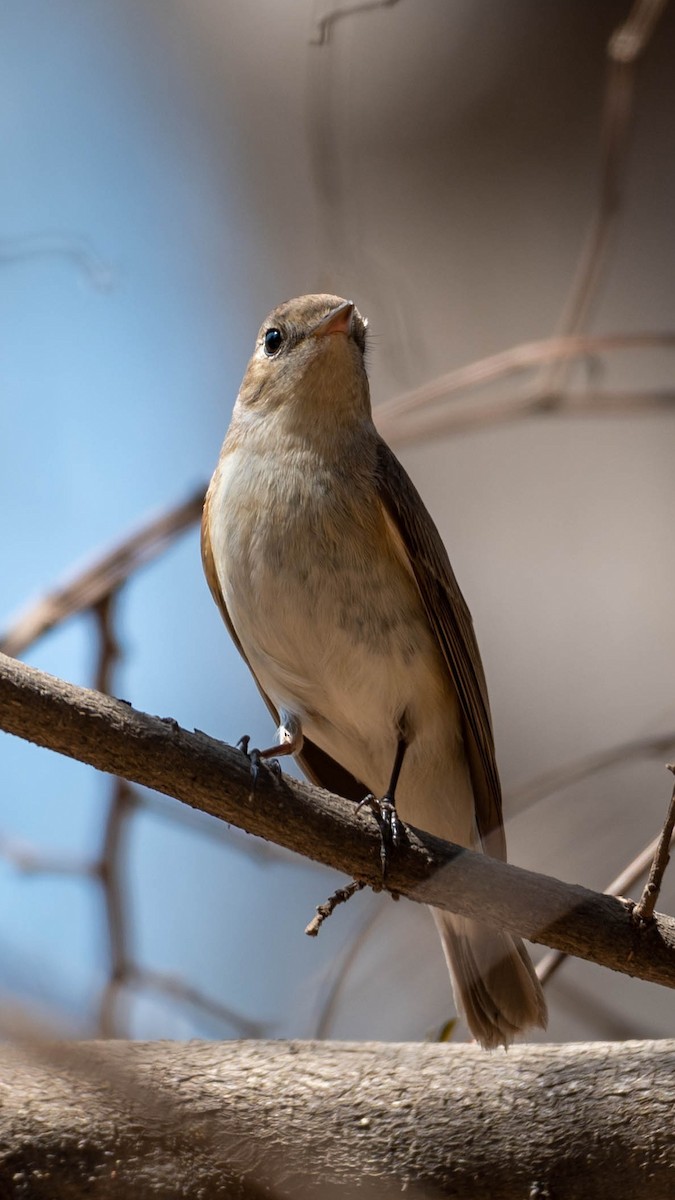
{"x": 180, "y": 991}
{"x": 630, "y": 40}
{"x": 325, "y": 24}
{"x": 113, "y": 853}
{"x": 644, "y": 909}
{"x": 34, "y": 861}
{"x": 627, "y": 43}
{"x": 523, "y": 357}
{"x": 323, "y": 911}
{"x": 625, "y": 46}
{"x": 109, "y": 651}
{"x": 120, "y": 803}
{"x": 206, "y": 774}
{"x": 94, "y": 584}
{"x": 583, "y": 404}
{"x": 68, "y": 246}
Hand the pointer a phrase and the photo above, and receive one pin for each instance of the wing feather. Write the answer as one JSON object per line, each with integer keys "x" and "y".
{"x": 425, "y": 556}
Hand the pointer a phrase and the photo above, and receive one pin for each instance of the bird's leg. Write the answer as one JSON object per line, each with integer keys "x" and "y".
{"x": 385, "y": 809}
{"x": 289, "y": 741}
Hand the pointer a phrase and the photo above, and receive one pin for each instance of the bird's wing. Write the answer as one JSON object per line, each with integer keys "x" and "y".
{"x": 420, "y": 547}
{"x": 318, "y": 766}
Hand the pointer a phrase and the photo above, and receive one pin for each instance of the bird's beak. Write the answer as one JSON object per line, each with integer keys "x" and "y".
{"x": 338, "y": 320}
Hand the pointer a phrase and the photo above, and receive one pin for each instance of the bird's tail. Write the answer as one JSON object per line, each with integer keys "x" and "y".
{"x": 493, "y": 979}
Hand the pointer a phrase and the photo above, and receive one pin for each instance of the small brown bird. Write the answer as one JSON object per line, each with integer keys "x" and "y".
{"x": 337, "y": 590}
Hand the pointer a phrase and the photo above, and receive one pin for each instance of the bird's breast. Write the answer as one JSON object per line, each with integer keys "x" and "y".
{"x": 331, "y": 623}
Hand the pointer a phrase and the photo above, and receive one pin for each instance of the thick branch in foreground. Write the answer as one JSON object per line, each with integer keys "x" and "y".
{"x": 323, "y": 1120}
{"x": 206, "y": 774}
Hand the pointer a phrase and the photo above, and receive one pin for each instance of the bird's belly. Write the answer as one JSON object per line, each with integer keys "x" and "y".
{"x": 327, "y": 648}
{"x": 354, "y": 666}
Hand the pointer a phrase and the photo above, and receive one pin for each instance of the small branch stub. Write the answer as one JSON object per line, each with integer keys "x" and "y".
{"x": 323, "y": 911}
{"x": 644, "y": 909}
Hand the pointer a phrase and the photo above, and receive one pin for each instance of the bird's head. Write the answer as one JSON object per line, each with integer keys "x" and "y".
{"x": 309, "y": 360}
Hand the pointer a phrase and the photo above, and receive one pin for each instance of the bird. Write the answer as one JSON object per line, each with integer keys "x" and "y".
{"x": 338, "y": 592}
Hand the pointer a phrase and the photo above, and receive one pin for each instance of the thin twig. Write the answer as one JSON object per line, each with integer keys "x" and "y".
{"x": 522, "y": 357}
{"x": 324, "y": 910}
{"x": 111, "y": 867}
{"x": 109, "y": 650}
{"x": 625, "y": 46}
{"x": 68, "y": 246}
{"x": 33, "y": 861}
{"x": 178, "y": 990}
{"x": 325, "y": 24}
{"x": 96, "y": 582}
{"x": 644, "y": 909}
{"x": 583, "y": 404}
{"x": 630, "y": 40}
{"x": 120, "y": 803}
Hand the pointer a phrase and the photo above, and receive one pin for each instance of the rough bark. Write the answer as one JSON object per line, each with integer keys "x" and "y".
{"x": 215, "y": 778}
{"x": 320, "y": 1120}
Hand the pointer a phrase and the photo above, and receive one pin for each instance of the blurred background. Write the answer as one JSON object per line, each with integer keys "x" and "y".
{"x": 483, "y": 180}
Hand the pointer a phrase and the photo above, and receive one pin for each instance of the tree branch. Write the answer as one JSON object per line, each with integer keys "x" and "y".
{"x": 522, "y": 357}
{"x": 304, "y": 1120}
{"x": 325, "y": 24}
{"x": 416, "y": 428}
{"x": 206, "y": 774}
{"x": 621, "y": 885}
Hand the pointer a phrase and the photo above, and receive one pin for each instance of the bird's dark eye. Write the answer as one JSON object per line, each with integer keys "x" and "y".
{"x": 272, "y": 341}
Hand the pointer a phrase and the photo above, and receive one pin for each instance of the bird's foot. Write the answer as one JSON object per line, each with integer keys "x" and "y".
{"x": 391, "y": 827}
{"x": 257, "y": 761}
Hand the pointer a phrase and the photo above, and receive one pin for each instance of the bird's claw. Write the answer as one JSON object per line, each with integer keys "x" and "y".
{"x": 391, "y": 827}
{"x": 243, "y": 744}
{"x": 253, "y": 757}
{"x": 257, "y": 762}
